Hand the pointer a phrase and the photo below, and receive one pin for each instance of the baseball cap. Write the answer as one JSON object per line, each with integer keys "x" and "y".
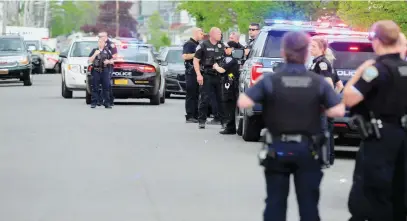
{"x": 386, "y": 31}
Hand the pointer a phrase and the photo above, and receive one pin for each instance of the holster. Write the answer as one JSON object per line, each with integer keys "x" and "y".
{"x": 320, "y": 148}
{"x": 367, "y": 129}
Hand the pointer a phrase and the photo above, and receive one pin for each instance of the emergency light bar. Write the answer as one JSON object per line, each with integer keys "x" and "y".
{"x": 287, "y": 22}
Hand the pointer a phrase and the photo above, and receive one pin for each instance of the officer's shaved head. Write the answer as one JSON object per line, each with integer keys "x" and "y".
{"x": 295, "y": 47}
{"x": 215, "y": 34}
{"x": 197, "y": 33}
{"x": 386, "y": 31}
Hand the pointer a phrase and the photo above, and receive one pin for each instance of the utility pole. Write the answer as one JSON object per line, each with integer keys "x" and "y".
{"x": 117, "y": 18}
{"x": 4, "y": 17}
{"x": 46, "y": 10}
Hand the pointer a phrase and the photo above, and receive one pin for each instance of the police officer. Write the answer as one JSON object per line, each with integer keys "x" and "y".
{"x": 254, "y": 30}
{"x": 229, "y": 69}
{"x": 376, "y": 95}
{"x": 192, "y": 96}
{"x": 322, "y": 65}
{"x": 100, "y": 57}
{"x": 292, "y": 98}
{"x": 235, "y": 37}
{"x": 110, "y": 46}
{"x": 207, "y": 54}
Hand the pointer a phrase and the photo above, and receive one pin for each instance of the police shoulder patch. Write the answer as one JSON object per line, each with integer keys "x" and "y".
{"x": 228, "y": 59}
{"x": 323, "y": 66}
{"x": 370, "y": 73}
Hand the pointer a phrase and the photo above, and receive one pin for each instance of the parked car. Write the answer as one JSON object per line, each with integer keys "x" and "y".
{"x": 15, "y": 59}
{"x": 174, "y": 70}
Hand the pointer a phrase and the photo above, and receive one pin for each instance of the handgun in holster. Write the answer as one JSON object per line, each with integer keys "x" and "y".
{"x": 267, "y": 152}
{"x": 321, "y": 148}
{"x": 367, "y": 129}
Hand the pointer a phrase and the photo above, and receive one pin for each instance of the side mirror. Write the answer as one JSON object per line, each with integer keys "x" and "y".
{"x": 63, "y": 56}
{"x": 31, "y": 48}
{"x": 238, "y": 53}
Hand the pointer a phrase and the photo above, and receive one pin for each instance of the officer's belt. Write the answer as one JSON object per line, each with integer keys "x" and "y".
{"x": 298, "y": 138}
{"x": 98, "y": 69}
{"x": 209, "y": 71}
{"x": 390, "y": 120}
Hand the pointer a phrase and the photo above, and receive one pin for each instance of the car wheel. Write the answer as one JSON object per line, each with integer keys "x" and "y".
{"x": 239, "y": 123}
{"x": 251, "y": 128}
{"x": 167, "y": 95}
{"x": 88, "y": 97}
{"x": 41, "y": 68}
{"x": 57, "y": 68}
{"x": 162, "y": 98}
{"x": 66, "y": 93}
{"x": 28, "y": 79}
{"x": 155, "y": 99}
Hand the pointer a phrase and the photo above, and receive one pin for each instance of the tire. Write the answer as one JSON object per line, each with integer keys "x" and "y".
{"x": 57, "y": 68}
{"x": 162, "y": 99}
{"x": 41, "y": 69}
{"x": 66, "y": 93}
{"x": 155, "y": 99}
{"x": 88, "y": 97}
{"x": 251, "y": 128}
{"x": 28, "y": 81}
{"x": 239, "y": 123}
{"x": 167, "y": 95}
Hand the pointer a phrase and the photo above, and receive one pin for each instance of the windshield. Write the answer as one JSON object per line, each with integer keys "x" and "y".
{"x": 174, "y": 56}
{"x": 133, "y": 54}
{"x": 83, "y": 48}
{"x": 273, "y": 44}
{"x": 351, "y": 55}
{"x": 32, "y": 43}
{"x": 9, "y": 44}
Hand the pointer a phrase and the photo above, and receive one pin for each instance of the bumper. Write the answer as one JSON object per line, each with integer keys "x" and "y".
{"x": 75, "y": 80}
{"x": 343, "y": 127}
{"x": 14, "y": 72}
{"x": 175, "y": 86}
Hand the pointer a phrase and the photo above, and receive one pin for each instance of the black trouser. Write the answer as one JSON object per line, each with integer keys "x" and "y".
{"x": 100, "y": 78}
{"x": 378, "y": 190}
{"x": 229, "y": 100}
{"x": 210, "y": 83}
{"x": 331, "y": 140}
{"x": 192, "y": 96}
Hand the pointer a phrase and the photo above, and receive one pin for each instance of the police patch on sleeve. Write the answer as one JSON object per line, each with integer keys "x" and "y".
{"x": 370, "y": 73}
{"x": 228, "y": 59}
{"x": 323, "y": 66}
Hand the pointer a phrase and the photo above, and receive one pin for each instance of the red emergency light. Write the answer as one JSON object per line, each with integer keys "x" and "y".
{"x": 353, "y": 48}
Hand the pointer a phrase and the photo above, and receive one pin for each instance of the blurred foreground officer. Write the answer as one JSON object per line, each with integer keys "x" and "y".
{"x": 377, "y": 94}
{"x": 100, "y": 57}
{"x": 111, "y": 47}
{"x": 322, "y": 65}
{"x": 192, "y": 96}
{"x": 207, "y": 54}
{"x": 229, "y": 69}
{"x": 292, "y": 100}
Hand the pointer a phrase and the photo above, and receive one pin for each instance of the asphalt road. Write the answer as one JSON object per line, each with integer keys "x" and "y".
{"x": 62, "y": 161}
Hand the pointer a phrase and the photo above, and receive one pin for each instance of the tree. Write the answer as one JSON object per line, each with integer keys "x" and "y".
{"x": 107, "y": 20}
{"x": 69, "y": 16}
{"x": 361, "y": 15}
{"x": 155, "y": 25}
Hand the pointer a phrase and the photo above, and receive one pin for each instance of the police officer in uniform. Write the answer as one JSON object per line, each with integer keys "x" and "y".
{"x": 100, "y": 57}
{"x": 377, "y": 97}
{"x": 292, "y": 99}
{"x": 192, "y": 87}
{"x": 110, "y": 46}
{"x": 207, "y": 54}
{"x": 229, "y": 69}
{"x": 254, "y": 30}
{"x": 322, "y": 65}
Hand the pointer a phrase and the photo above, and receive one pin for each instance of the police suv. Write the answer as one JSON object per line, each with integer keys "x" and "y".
{"x": 265, "y": 58}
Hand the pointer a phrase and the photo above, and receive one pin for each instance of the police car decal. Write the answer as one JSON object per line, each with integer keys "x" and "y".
{"x": 323, "y": 66}
{"x": 370, "y": 73}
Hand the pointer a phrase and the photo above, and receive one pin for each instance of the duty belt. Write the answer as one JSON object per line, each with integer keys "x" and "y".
{"x": 298, "y": 138}
{"x": 98, "y": 69}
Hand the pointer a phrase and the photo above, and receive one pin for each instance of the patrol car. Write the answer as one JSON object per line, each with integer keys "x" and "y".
{"x": 15, "y": 59}
{"x": 350, "y": 52}
{"x": 44, "y": 58}
{"x": 265, "y": 58}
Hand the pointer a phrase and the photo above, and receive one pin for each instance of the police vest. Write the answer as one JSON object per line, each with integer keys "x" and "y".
{"x": 294, "y": 106}
{"x": 100, "y": 58}
{"x": 391, "y": 104}
{"x": 213, "y": 53}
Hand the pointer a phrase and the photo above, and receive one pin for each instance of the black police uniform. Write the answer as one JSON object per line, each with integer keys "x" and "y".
{"x": 100, "y": 76}
{"x": 378, "y": 190}
{"x": 192, "y": 86}
{"x": 113, "y": 50}
{"x": 230, "y": 80}
{"x": 209, "y": 54}
{"x": 292, "y": 100}
{"x": 323, "y": 67}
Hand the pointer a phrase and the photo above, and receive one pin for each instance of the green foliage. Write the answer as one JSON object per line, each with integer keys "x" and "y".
{"x": 362, "y": 15}
{"x": 155, "y": 25}
{"x": 213, "y": 13}
{"x": 69, "y": 16}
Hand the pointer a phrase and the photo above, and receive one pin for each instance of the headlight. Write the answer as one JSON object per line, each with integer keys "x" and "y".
{"x": 74, "y": 68}
{"x": 23, "y": 60}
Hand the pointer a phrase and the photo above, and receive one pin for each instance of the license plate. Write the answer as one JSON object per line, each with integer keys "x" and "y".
{"x": 141, "y": 82}
{"x": 3, "y": 71}
{"x": 120, "y": 82}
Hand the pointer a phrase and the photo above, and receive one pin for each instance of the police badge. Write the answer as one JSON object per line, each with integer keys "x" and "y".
{"x": 219, "y": 46}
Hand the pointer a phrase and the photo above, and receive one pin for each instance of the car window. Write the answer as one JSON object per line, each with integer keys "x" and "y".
{"x": 349, "y": 55}
{"x": 258, "y": 45}
{"x": 33, "y": 43}
{"x": 174, "y": 56}
{"x": 11, "y": 44}
{"x": 83, "y": 48}
{"x": 133, "y": 54}
{"x": 47, "y": 48}
{"x": 272, "y": 48}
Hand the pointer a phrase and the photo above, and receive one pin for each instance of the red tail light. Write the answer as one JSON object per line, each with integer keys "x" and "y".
{"x": 353, "y": 49}
{"x": 139, "y": 67}
{"x": 90, "y": 68}
{"x": 340, "y": 125}
{"x": 256, "y": 72}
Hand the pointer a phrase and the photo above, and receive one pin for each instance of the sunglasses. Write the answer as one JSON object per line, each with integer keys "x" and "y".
{"x": 253, "y": 29}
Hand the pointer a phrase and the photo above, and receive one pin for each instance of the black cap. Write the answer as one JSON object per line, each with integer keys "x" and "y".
{"x": 231, "y": 44}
